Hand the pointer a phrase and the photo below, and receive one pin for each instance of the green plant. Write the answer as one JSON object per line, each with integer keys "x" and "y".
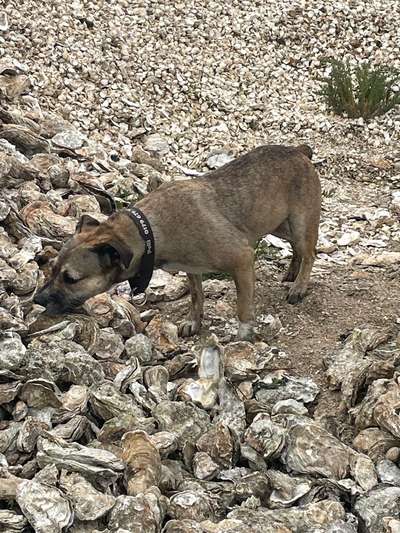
{"x": 361, "y": 91}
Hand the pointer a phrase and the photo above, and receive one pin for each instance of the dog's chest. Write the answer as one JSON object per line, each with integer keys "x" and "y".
{"x": 180, "y": 267}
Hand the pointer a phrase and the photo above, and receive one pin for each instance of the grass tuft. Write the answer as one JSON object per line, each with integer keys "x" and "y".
{"x": 361, "y": 91}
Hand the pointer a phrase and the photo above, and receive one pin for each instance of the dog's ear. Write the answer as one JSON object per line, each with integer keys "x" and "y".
{"x": 86, "y": 222}
{"x": 114, "y": 254}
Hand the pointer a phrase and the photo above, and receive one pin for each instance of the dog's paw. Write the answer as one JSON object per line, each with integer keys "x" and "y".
{"x": 295, "y": 295}
{"x": 189, "y": 328}
{"x": 246, "y": 332}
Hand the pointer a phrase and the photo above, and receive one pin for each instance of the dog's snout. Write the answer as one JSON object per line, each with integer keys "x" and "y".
{"x": 53, "y": 300}
{"x": 44, "y": 296}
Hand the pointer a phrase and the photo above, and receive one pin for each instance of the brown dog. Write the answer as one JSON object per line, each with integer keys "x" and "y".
{"x": 209, "y": 224}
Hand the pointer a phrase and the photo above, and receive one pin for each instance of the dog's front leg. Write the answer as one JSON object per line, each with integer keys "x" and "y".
{"x": 191, "y": 326}
{"x": 245, "y": 280}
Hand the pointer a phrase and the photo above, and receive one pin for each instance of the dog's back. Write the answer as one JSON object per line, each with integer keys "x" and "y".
{"x": 257, "y": 191}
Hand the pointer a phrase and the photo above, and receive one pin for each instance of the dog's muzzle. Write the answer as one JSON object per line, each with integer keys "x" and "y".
{"x": 54, "y": 302}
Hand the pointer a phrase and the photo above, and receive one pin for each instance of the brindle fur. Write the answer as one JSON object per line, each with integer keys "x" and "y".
{"x": 209, "y": 224}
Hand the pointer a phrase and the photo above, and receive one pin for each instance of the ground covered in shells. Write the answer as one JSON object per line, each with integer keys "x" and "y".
{"x": 108, "y": 421}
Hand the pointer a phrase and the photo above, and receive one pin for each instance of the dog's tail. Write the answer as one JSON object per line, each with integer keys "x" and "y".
{"x": 306, "y": 150}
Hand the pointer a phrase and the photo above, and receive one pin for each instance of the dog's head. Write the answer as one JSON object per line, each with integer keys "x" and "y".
{"x": 95, "y": 258}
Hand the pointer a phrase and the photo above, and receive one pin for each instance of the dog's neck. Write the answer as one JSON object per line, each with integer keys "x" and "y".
{"x": 140, "y": 281}
{"x": 136, "y": 241}
{"x": 160, "y": 239}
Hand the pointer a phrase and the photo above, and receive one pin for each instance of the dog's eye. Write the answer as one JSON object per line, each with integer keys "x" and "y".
{"x": 69, "y": 279}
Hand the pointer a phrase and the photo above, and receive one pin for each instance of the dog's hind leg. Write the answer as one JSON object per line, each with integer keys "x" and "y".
{"x": 192, "y": 325}
{"x": 283, "y": 232}
{"x": 294, "y": 267}
{"x": 304, "y": 232}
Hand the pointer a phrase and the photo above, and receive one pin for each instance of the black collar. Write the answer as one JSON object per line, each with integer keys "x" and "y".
{"x": 141, "y": 280}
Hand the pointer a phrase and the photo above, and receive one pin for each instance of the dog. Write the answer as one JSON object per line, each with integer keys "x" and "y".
{"x": 208, "y": 224}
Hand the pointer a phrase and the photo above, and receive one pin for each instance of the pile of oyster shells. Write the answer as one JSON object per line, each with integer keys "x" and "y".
{"x": 111, "y": 423}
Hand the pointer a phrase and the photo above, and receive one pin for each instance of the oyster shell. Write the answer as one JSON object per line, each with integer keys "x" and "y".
{"x": 231, "y": 412}
{"x": 58, "y": 176}
{"x": 165, "y": 287}
{"x": 163, "y": 334}
{"x": 385, "y": 410}
{"x": 53, "y": 358}
{"x": 142, "y": 396}
{"x": 220, "y": 444}
{"x": 255, "y": 484}
{"x": 11, "y": 521}
{"x": 29, "y": 248}
{"x": 12, "y": 351}
{"x": 353, "y": 366}
{"x": 165, "y": 442}
{"x": 292, "y": 407}
{"x": 286, "y": 489}
{"x": 93, "y": 526}
{"x": 9, "y": 391}
{"x": 43, "y": 221}
{"x": 156, "y": 380}
{"x": 305, "y": 452}
{"x": 40, "y": 393}
{"x": 388, "y": 472}
{"x": 376, "y": 506}
{"x": 100, "y": 465}
{"x": 243, "y": 361}
{"x": 69, "y": 139}
{"x": 107, "y": 402}
{"x": 14, "y": 172}
{"x": 9, "y": 484}
{"x": 186, "y": 420}
{"x": 266, "y": 437}
{"x": 44, "y": 506}
{"x": 140, "y": 347}
{"x": 204, "y": 467}
{"x": 204, "y": 391}
{"x": 109, "y": 344}
{"x": 78, "y": 205}
{"x": 144, "y": 512}
{"x": 20, "y": 411}
{"x": 14, "y": 85}
{"x": 279, "y": 385}
{"x": 180, "y": 365}
{"x": 29, "y": 433}
{"x": 192, "y": 505}
{"x": 26, "y": 140}
{"x": 74, "y": 430}
{"x": 128, "y": 376}
{"x": 26, "y": 279}
{"x": 8, "y": 436}
{"x": 86, "y": 330}
{"x": 75, "y": 400}
{"x": 9, "y": 323}
{"x": 114, "y": 312}
{"x": 114, "y": 428}
{"x": 312, "y": 516}
{"x": 143, "y": 462}
{"x": 87, "y": 502}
